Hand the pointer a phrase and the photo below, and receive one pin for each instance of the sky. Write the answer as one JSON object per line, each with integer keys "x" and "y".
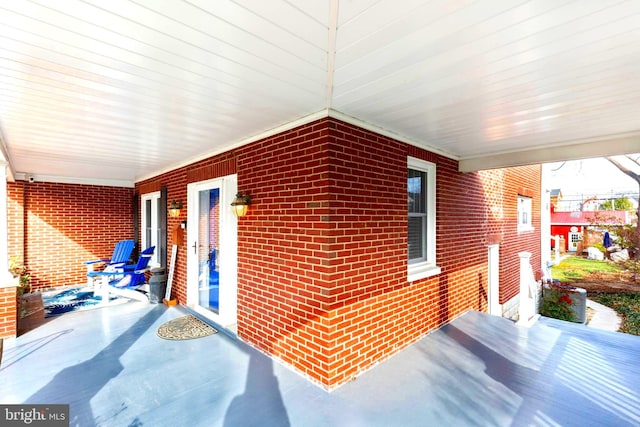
{"x": 590, "y": 177}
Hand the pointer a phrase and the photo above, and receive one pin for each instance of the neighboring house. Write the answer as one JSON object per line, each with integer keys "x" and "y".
{"x": 555, "y": 198}
{"x": 355, "y": 245}
{"x": 578, "y": 230}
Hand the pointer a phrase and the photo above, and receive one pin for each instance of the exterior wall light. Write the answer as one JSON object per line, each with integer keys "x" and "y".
{"x": 174, "y": 209}
{"x": 240, "y": 204}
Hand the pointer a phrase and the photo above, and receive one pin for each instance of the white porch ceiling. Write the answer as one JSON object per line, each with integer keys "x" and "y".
{"x": 116, "y": 91}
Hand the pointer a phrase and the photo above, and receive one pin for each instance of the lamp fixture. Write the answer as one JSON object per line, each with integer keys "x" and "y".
{"x": 174, "y": 209}
{"x": 240, "y": 204}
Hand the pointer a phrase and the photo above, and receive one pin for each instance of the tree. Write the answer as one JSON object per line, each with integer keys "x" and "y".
{"x": 619, "y": 204}
{"x": 636, "y": 177}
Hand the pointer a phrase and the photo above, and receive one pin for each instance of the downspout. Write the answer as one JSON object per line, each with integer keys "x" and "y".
{"x": 6, "y": 173}
{"x": 545, "y": 219}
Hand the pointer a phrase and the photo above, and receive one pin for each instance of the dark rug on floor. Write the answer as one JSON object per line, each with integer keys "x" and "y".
{"x": 185, "y": 328}
{"x": 67, "y": 300}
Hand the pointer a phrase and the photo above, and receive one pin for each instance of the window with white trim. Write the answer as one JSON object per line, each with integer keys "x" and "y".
{"x": 421, "y": 204}
{"x": 525, "y": 210}
{"x": 151, "y": 224}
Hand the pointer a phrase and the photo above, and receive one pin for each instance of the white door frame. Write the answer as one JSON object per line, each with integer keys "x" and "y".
{"x": 154, "y": 198}
{"x": 494, "y": 280}
{"x": 228, "y": 254}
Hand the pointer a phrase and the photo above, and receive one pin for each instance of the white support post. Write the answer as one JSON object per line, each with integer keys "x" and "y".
{"x": 6, "y": 279}
{"x": 526, "y": 310}
{"x": 494, "y": 280}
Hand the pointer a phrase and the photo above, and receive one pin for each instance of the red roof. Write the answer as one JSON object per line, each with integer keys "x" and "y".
{"x": 590, "y": 218}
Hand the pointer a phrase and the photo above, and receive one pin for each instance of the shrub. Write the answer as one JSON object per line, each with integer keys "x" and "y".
{"x": 17, "y": 269}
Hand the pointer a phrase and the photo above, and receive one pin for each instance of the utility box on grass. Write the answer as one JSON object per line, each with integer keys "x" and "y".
{"x": 579, "y": 304}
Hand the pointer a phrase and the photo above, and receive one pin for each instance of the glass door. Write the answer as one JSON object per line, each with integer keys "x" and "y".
{"x": 212, "y": 250}
{"x": 207, "y": 248}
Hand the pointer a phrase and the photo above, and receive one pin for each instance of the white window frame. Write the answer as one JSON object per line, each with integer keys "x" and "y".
{"x": 525, "y": 213}
{"x": 425, "y": 266}
{"x": 155, "y": 225}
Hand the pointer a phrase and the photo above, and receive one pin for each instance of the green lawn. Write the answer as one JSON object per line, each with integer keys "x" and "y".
{"x": 573, "y": 269}
{"x": 627, "y": 306}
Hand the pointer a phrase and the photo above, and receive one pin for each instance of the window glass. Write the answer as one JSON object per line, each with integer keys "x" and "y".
{"x": 151, "y": 224}
{"x": 524, "y": 213}
{"x": 417, "y": 206}
{"x": 421, "y": 222}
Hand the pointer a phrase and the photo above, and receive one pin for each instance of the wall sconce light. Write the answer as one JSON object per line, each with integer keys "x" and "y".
{"x": 240, "y": 204}
{"x": 174, "y": 209}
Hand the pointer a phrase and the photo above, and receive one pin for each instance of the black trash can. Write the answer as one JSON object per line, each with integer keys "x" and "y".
{"x": 157, "y": 285}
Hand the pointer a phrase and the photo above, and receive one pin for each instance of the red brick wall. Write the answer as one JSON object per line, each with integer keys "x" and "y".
{"x": 513, "y": 182}
{"x": 8, "y": 312}
{"x": 55, "y": 227}
{"x": 15, "y": 219}
{"x": 284, "y": 254}
{"x": 322, "y": 272}
{"x": 368, "y": 216}
{"x": 322, "y": 254}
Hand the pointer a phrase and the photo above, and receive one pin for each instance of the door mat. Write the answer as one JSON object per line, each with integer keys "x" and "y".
{"x": 185, "y": 328}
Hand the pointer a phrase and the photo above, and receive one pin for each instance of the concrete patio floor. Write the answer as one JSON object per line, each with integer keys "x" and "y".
{"x": 479, "y": 370}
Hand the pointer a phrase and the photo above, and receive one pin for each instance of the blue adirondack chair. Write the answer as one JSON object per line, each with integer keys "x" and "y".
{"x": 125, "y": 280}
{"x": 121, "y": 254}
{"x": 133, "y": 276}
